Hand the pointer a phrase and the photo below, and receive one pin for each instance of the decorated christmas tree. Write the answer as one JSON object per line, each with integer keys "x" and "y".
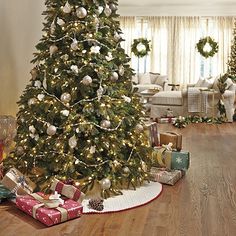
{"x": 79, "y": 117}
{"x": 232, "y": 59}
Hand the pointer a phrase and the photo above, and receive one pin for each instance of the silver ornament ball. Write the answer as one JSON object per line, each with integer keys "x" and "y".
{"x": 51, "y": 130}
{"x": 105, "y": 124}
{"x": 81, "y": 12}
{"x": 73, "y": 142}
{"x": 105, "y": 183}
{"x": 65, "y": 97}
{"x": 114, "y": 77}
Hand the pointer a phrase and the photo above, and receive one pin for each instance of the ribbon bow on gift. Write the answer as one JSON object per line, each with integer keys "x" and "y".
{"x": 53, "y": 201}
{"x": 168, "y": 147}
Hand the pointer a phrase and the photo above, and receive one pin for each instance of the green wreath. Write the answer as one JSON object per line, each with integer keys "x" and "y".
{"x": 140, "y": 47}
{"x": 213, "y": 47}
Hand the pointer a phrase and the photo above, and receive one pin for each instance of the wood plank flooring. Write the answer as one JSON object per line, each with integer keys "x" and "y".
{"x": 203, "y": 203}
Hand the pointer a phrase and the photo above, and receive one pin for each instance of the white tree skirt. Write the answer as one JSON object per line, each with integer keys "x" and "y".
{"x": 130, "y": 199}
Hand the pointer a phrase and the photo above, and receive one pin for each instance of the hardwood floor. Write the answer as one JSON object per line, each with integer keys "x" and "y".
{"x": 203, "y": 203}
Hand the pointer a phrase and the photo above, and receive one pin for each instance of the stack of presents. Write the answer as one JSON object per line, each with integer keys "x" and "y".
{"x": 169, "y": 161}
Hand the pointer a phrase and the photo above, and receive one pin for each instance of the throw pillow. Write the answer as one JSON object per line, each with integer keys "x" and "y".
{"x": 153, "y": 77}
{"x": 229, "y": 83}
{"x": 199, "y": 82}
{"x": 161, "y": 79}
{"x": 208, "y": 82}
{"x": 144, "y": 78}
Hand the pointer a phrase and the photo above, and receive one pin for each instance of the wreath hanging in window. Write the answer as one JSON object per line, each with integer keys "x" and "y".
{"x": 207, "y": 47}
{"x": 141, "y": 47}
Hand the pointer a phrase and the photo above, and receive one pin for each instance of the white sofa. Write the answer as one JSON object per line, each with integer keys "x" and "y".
{"x": 150, "y": 80}
{"x": 178, "y": 101}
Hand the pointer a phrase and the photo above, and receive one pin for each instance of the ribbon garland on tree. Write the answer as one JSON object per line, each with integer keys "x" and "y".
{"x": 207, "y": 47}
{"x": 141, "y": 47}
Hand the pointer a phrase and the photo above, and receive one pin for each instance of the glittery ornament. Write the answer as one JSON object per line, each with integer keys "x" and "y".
{"x": 65, "y": 97}
{"x": 105, "y": 124}
{"x": 95, "y": 49}
{"x": 75, "y": 69}
{"x": 114, "y": 77}
{"x": 53, "y": 49}
{"x": 65, "y": 57}
{"x": 127, "y": 99}
{"x": 73, "y": 142}
{"x": 87, "y": 80}
{"x": 92, "y": 149}
{"x": 96, "y": 204}
{"x": 37, "y": 84}
{"x": 105, "y": 183}
{"x": 60, "y": 22}
{"x": 139, "y": 128}
{"x": 32, "y": 129}
{"x": 32, "y": 101}
{"x": 81, "y": 12}
{"x": 74, "y": 45}
{"x": 51, "y": 130}
{"x": 109, "y": 56}
{"x": 100, "y": 92}
{"x": 40, "y": 97}
{"x": 67, "y": 8}
{"x": 107, "y": 11}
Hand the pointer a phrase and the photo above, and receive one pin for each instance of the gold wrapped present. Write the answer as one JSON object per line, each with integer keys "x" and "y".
{"x": 171, "y": 137}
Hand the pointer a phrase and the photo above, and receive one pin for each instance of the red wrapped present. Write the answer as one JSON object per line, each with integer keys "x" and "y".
{"x": 67, "y": 190}
{"x": 49, "y": 212}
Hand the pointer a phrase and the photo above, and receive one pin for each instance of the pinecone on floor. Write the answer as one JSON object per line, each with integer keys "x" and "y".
{"x": 96, "y": 204}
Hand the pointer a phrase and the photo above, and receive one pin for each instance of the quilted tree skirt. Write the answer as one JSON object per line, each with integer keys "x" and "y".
{"x": 130, "y": 199}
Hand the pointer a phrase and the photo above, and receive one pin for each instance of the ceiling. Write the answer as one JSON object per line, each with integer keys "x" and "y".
{"x": 177, "y": 7}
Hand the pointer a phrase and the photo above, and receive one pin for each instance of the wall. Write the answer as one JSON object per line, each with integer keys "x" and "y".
{"x": 20, "y": 30}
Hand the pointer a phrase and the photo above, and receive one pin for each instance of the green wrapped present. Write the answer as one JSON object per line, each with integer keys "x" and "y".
{"x": 172, "y": 160}
{"x": 5, "y": 193}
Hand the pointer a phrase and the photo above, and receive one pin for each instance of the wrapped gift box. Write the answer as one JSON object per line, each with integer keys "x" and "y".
{"x": 166, "y": 177}
{"x": 152, "y": 132}
{"x": 171, "y": 160}
{"x": 15, "y": 181}
{"x": 35, "y": 206}
{"x": 171, "y": 137}
{"x": 5, "y": 193}
{"x": 67, "y": 190}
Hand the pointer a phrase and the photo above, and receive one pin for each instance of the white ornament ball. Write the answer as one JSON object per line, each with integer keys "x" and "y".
{"x": 74, "y": 45}
{"x": 87, "y": 80}
{"x": 51, "y": 130}
{"x": 107, "y": 11}
{"x": 73, "y": 142}
{"x": 114, "y": 77}
{"x": 105, "y": 124}
{"x": 67, "y": 8}
{"x": 75, "y": 69}
{"x": 65, "y": 97}
{"x": 60, "y": 22}
{"x": 105, "y": 183}
{"x": 53, "y": 49}
{"x": 81, "y": 12}
{"x": 126, "y": 171}
{"x": 32, "y": 101}
{"x": 139, "y": 128}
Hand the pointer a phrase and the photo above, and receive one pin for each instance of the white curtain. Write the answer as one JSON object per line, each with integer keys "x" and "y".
{"x": 173, "y": 47}
{"x": 128, "y": 27}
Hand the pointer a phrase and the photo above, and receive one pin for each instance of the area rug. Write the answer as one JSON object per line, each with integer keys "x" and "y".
{"x": 130, "y": 199}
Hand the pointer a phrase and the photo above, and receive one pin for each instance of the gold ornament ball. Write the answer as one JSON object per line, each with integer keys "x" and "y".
{"x": 51, "y": 130}
{"x": 81, "y": 12}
